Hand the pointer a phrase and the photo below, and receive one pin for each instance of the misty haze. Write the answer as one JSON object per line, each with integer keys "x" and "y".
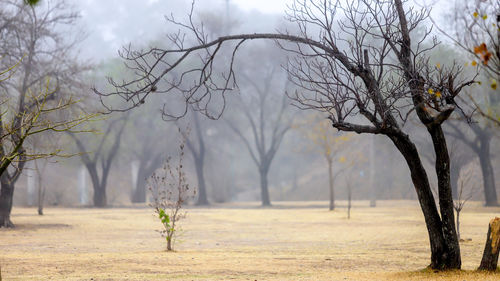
{"x": 249, "y": 140}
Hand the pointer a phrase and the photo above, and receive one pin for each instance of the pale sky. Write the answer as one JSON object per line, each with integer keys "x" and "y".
{"x": 264, "y": 6}
{"x": 113, "y": 23}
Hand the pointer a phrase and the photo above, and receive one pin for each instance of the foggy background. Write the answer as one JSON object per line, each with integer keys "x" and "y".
{"x": 298, "y": 171}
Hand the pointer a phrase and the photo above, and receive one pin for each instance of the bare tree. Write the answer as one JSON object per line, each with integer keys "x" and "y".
{"x": 104, "y": 154}
{"x": 148, "y": 149}
{"x": 318, "y": 130}
{"x": 268, "y": 118}
{"x": 385, "y": 82}
{"x": 478, "y": 139}
{"x": 36, "y": 97}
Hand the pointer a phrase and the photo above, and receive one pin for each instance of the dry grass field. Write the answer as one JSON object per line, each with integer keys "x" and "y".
{"x": 290, "y": 241}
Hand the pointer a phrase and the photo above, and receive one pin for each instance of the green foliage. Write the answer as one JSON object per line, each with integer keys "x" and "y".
{"x": 165, "y": 220}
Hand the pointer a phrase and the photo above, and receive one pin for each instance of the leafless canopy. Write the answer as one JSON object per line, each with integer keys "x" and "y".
{"x": 349, "y": 59}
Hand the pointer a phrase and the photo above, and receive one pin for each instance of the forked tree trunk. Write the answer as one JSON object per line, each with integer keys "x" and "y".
{"x": 100, "y": 199}
{"x": 330, "y": 181}
{"x": 264, "y": 190}
{"x": 492, "y": 246}
{"x": 6, "y": 195}
{"x": 442, "y": 257}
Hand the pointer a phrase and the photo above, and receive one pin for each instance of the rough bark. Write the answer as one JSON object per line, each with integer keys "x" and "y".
{"x": 442, "y": 167}
{"x": 492, "y": 246}
{"x": 441, "y": 256}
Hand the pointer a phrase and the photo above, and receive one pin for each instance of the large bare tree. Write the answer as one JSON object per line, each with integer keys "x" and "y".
{"x": 36, "y": 97}
{"x": 366, "y": 86}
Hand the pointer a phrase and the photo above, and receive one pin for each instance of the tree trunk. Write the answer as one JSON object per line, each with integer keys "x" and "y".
{"x": 169, "y": 244}
{"x": 349, "y": 200}
{"x": 373, "y": 186}
{"x": 330, "y": 181}
{"x": 490, "y": 193}
{"x": 446, "y": 208}
{"x": 6, "y": 195}
{"x": 41, "y": 197}
{"x": 99, "y": 189}
{"x": 441, "y": 256}
{"x": 202, "y": 191}
{"x": 458, "y": 225}
{"x": 492, "y": 247}
{"x": 139, "y": 195}
{"x": 100, "y": 199}
{"x": 264, "y": 190}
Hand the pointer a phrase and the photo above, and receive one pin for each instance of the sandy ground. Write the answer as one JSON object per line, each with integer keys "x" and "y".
{"x": 290, "y": 241}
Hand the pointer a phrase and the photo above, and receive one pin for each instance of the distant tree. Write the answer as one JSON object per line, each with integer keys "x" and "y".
{"x": 147, "y": 147}
{"x": 101, "y": 156}
{"x": 267, "y": 115}
{"x": 466, "y": 190}
{"x": 330, "y": 144}
{"x": 386, "y": 83}
{"x": 479, "y": 139}
{"x": 196, "y": 145}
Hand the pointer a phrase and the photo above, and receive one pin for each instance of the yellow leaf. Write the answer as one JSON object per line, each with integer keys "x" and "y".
{"x": 342, "y": 159}
{"x": 430, "y": 91}
{"x": 473, "y": 63}
{"x": 475, "y": 14}
{"x": 485, "y": 17}
{"x": 438, "y": 65}
{"x": 438, "y": 94}
{"x": 494, "y": 84}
